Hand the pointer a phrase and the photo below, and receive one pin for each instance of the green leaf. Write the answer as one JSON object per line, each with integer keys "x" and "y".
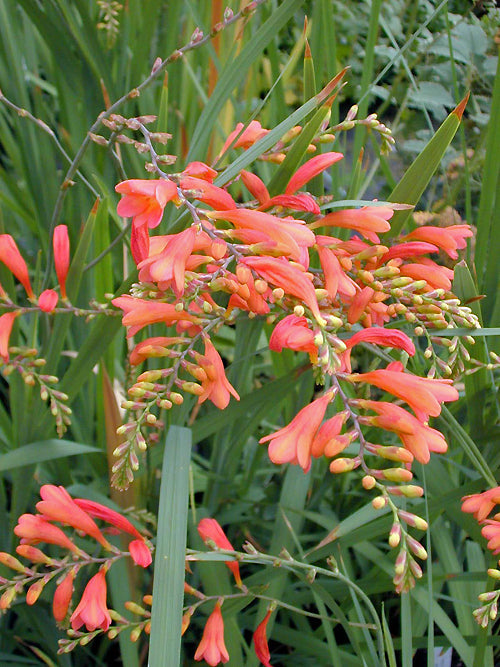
{"x": 170, "y": 556}
{"x": 45, "y": 450}
{"x": 411, "y": 187}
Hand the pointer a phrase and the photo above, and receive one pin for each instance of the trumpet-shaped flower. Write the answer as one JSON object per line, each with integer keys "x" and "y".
{"x": 216, "y": 386}
{"x": 12, "y": 258}
{"x": 491, "y": 531}
{"x": 294, "y": 442}
{"x": 169, "y": 266}
{"x": 6, "y": 324}
{"x": 200, "y": 170}
{"x": 58, "y": 505}
{"x": 33, "y": 529}
{"x": 138, "y": 313}
{"x": 210, "y": 529}
{"x": 293, "y": 333}
{"x": 417, "y": 438}
{"x": 153, "y": 347}
{"x": 481, "y": 504}
{"x": 144, "y": 200}
{"x": 252, "y": 133}
{"x": 310, "y": 169}
{"x": 450, "y": 239}
{"x": 208, "y": 193}
{"x": 62, "y": 597}
{"x": 92, "y": 610}
{"x": 377, "y": 336}
{"x": 368, "y": 221}
{"x": 291, "y": 279}
{"x": 60, "y": 244}
{"x": 212, "y": 648}
{"x": 423, "y": 395}
{"x": 260, "y": 641}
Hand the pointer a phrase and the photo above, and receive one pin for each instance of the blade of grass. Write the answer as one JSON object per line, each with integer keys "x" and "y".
{"x": 168, "y": 583}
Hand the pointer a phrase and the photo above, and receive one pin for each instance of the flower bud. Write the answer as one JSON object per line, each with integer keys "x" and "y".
{"x": 416, "y": 547}
{"x": 495, "y": 574}
{"x": 409, "y": 491}
{"x": 379, "y": 502}
{"x": 34, "y": 592}
{"x": 47, "y": 301}
{"x": 413, "y": 520}
{"x": 368, "y": 482}
{"x": 395, "y": 535}
{"x": 11, "y": 562}
{"x": 343, "y": 465}
{"x": 397, "y": 474}
{"x": 33, "y": 554}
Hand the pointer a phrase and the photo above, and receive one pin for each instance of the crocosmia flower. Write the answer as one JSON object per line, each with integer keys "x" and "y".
{"x": 144, "y": 200}
{"x": 210, "y": 529}
{"x": 92, "y": 610}
{"x": 212, "y": 648}
{"x": 260, "y": 641}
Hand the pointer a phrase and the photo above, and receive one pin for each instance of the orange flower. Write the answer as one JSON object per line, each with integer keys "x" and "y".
{"x": 437, "y": 277}
{"x": 216, "y": 386}
{"x": 377, "y": 336}
{"x": 293, "y": 332}
{"x": 33, "y": 529}
{"x": 423, "y": 395}
{"x": 6, "y": 324}
{"x": 450, "y": 239}
{"x": 169, "y": 265}
{"x": 368, "y": 221}
{"x": 491, "y": 531}
{"x": 292, "y": 280}
{"x": 47, "y": 301}
{"x": 300, "y": 202}
{"x": 260, "y": 641}
{"x": 255, "y": 186}
{"x": 405, "y": 250}
{"x": 212, "y": 648}
{"x": 62, "y": 597}
{"x": 200, "y": 170}
{"x": 288, "y": 233}
{"x": 58, "y": 505}
{"x": 60, "y": 244}
{"x": 92, "y": 610}
{"x": 481, "y": 504}
{"x": 138, "y": 313}
{"x": 139, "y": 550}
{"x": 153, "y": 347}
{"x": 294, "y": 442}
{"x": 247, "y": 138}
{"x": 210, "y": 529}
{"x": 11, "y": 257}
{"x": 208, "y": 193}
{"x": 336, "y": 280}
{"x": 310, "y": 169}
{"x": 144, "y": 200}
{"x": 417, "y": 438}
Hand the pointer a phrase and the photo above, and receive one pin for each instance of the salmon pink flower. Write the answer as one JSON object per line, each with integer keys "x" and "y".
{"x": 212, "y": 648}
{"x": 47, "y": 301}
{"x": 291, "y": 279}
{"x": 310, "y": 169}
{"x": 450, "y": 239}
{"x": 153, "y": 347}
{"x": 210, "y": 529}
{"x": 58, "y": 505}
{"x": 407, "y": 250}
{"x": 481, "y": 504}
{"x": 92, "y": 610}
{"x": 423, "y": 395}
{"x": 368, "y": 221}
{"x": 12, "y": 258}
{"x": 377, "y": 336}
{"x": 139, "y": 550}
{"x": 437, "y": 277}
{"x": 328, "y": 440}
{"x": 252, "y": 133}
{"x": 293, "y": 333}
{"x": 491, "y": 531}
{"x": 169, "y": 266}
{"x": 419, "y": 439}
{"x": 289, "y": 233}
{"x": 255, "y": 186}
{"x": 60, "y": 244}
{"x": 139, "y": 242}
{"x": 260, "y": 641}
{"x": 62, "y": 597}
{"x": 6, "y": 324}
{"x": 138, "y": 313}
{"x": 200, "y": 170}
{"x": 300, "y": 202}
{"x": 33, "y": 529}
{"x": 144, "y": 200}
{"x": 294, "y": 443}
{"x": 216, "y": 386}
{"x": 208, "y": 193}
{"x": 336, "y": 280}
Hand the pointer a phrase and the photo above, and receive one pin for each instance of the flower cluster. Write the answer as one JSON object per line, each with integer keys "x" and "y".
{"x": 329, "y": 282}
{"x": 481, "y": 505}
{"x": 80, "y": 515}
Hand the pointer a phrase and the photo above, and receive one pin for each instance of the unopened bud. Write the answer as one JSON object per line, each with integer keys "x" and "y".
{"x": 343, "y": 465}
{"x": 494, "y": 574}
{"x": 395, "y": 535}
{"x": 413, "y": 520}
{"x": 192, "y": 388}
{"x": 10, "y": 561}
{"x": 34, "y": 592}
{"x": 261, "y": 286}
{"x": 400, "y": 564}
{"x": 408, "y": 491}
{"x": 298, "y": 311}
{"x": 278, "y": 293}
{"x": 368, "y": 482}
{"x": 416, "y": 547}
{"x": 397, "y": 474}
{"x": 379, "y": 502}
{"x": 151, "y": 418}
